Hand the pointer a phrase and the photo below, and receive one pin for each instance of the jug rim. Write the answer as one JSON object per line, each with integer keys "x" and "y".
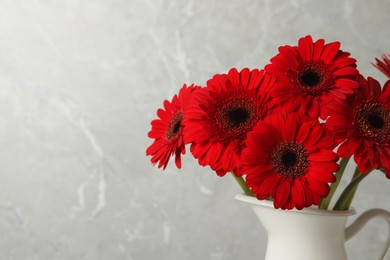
{"x": 313, "y": 210}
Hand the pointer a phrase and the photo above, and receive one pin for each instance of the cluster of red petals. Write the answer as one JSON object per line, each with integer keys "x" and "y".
{"x": 362, "y": 124}
{"x": 383, "y": 65}
{"x": 290, "y": 158}
{"x": 221, "y": 115}
{"x": 311, "y": 74}
{"x": 264, "y": 123}
{"x": 167, "y": 130}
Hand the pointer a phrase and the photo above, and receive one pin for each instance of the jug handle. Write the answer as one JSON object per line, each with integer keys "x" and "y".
{"x": 362, "y": 220}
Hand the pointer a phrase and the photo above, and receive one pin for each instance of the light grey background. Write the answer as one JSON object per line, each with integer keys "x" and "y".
{"x": 80, "y": 82}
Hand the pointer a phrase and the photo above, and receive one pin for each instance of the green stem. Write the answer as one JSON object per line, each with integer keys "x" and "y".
{"x": 346, "y": 197}
{"x": 333, "y": 187}
{"x": 352, "y": 194}
{"x": 243, "y": 185}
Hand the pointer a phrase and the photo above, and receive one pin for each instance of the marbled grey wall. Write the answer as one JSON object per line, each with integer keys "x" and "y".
{"x": 80, "y": 82}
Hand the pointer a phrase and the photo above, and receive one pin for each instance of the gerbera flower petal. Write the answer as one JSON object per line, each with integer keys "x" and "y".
{"x": 304, "y": 130}
{"x": 305, "y": 47}
{"x": 262, "y": 185}
{"x": 363, "y": 163}
{"x": 385, "y": 97}
{"x": 178, "y": 158}
{"x": 268, "y": 139}
{"x": 346, "y": 85}
{"x": 318, "y": 187}
{"x": 318, "y": 48}
{"x": 383, "y": 65}
{"x": 346, "y": 71}
{"x": 323, "y": 155}
{"x": 315, "y": 135}
{"x": 323, "y": 176}
{"x": 330, "y": 51}
{"x": 244, "y": 77}
{"x": 298, "y": 194}
{"x": 329, "y": 166}
{"x": 344, "y": 151}
{"x": 283, "y": 196}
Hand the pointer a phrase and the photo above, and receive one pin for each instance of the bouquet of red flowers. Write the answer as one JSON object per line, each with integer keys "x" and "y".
{"x": 287, "y": 131}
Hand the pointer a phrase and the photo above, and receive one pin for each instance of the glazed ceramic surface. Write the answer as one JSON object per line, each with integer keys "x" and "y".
{"x": 310, "y": 233}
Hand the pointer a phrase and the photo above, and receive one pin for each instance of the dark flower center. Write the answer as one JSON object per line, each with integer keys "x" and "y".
{"x": 312, "y": 78}
{"x": 174, "y": 126}
{"x": 372, "y": 120}
{"x": 238, "y": 116}
{"x": 233, "y": 113}
{"x": 376, "y": 121}
{"x": 290, "y": 159}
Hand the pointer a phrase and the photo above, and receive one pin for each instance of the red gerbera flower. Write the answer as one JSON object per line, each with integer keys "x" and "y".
{"x": 222, "y": 114}
{"x": 311, "y": 74}
{"x": 383, "y": 66}
{"x": 167, "y": 131}
{"x": 290, "y": 158}
{"x": 363, "y": 121}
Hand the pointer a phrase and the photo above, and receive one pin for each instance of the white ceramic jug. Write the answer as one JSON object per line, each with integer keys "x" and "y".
{"x": 311, "y": 233}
